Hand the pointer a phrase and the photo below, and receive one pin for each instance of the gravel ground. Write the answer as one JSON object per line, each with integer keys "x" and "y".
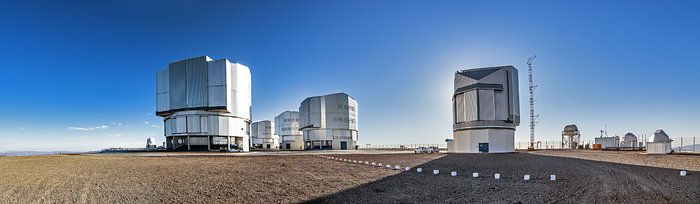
{"x": 577, "y": 181}
{"x": 684, "y": 162}
{"x": 295, "y": 178}
{"x": 181, "y": 179}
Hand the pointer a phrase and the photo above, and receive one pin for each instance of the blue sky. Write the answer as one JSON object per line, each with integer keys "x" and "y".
{"x": 80, "y": 75}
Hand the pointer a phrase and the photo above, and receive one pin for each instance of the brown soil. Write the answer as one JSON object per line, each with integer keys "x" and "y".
{"x": 307, "y": 178}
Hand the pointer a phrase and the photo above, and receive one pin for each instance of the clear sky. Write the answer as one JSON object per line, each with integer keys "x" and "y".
{"x": 80, "y": 75}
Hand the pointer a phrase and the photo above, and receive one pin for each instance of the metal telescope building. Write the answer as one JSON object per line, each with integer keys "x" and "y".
{"x": 205, "y": 104}
{"x": 263, "y": 136}
{"x": 329, "y": 121}
{"x": 486, "y": 110}
{"x": 287, "y": 128}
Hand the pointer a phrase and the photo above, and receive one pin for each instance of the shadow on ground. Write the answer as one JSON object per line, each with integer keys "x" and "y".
{"x": 578, "y": 181}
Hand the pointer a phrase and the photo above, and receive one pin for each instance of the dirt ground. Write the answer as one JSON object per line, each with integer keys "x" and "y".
{"x": 685, "y": 162}
{"x": 302, "y": 178}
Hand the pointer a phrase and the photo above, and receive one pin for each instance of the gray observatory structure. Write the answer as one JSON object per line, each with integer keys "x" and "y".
{"x": 205, "y": 104}
{"x": 485, "y": 109}
{"x": 329, "y": 121}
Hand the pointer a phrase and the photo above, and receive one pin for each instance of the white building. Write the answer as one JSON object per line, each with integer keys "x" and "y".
{"x": 659, "y": 143}
{"x": 329, "y": 122}
{"x": 205, "y": 104}
{"x": 486, "y": 110}
{"x": 612, "y": 141}
{"x": 629, "y": 140}
{"x": 263, "y": 135}
{"x": 287, "y": 128}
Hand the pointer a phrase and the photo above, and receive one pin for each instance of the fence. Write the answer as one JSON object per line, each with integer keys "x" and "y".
{"x": 680, "y": 144}
{"x": 400, "y": 146}
{"x": 686, "y": 144}
{"x": 548, "y": 144}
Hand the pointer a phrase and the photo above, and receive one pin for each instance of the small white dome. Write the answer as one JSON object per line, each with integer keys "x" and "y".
{"x": 151, "y": 141}
{"x": 629, "y": 137}
{"x": 659, "y": 136}
{"x": 570, "y": 128}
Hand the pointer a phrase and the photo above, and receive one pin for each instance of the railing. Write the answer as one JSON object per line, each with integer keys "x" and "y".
{"x": 686, "y": 144}
{"x": 344, "y": 137}
{"x": 400, "y": 146}
{"x": 680, "y": 144}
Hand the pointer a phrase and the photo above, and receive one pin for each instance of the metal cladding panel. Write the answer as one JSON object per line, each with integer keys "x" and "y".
{"x": 336, "y": 120}
{"x": 501, "y": 100}
{"x": 513, "y": 91}
{"x": 216, "y": 72}
{"x": 180, "y": 124}
{"x": 332, "y": 103}
{"x": 241, "y": 92}
{"x": 354, "y": 113}
{"x": 323, "y": 134}
{"x": 254, "y": 130}
{"x": 462, "y": 81}
{"x": 167, "y": 125}
{"x": 287, "y": 123}
{"x": 204, "y": 124}
{"x": 217, "y": 96}
{"x": 315, "y": 112}
{"x": 162, "y": 102}
{"x": 177, "y": 83}
{"x": 263, "y": 129}
{"x": 217, "y": 78}
{"x": 344, "y": 134}
{"x": 162, "y": 87}
{"x": 193, "y": 124}
{"x": 487, "y": 105}
{"x": 304, "y": 117}
{"x": 460, "y": 115}
{"x": 213, "y": 125}
{"x": 199, "y": 140}
{"x": 470, "y": 106}
{"x": 279, "y": 123}
{"x": 237, "y": 127}
{"x": 224, "y": 126}
{"x": 196, "y": 83}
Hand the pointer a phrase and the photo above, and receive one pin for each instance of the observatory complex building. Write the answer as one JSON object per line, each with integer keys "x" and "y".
{"x": 205, "y": 104}
{"x": 486, "y": 110}
{"x": 659, "y": 143}
{"x": 329, "y": 121}
{"x": 287, "y": 128}
{"x": 263, "y": 135}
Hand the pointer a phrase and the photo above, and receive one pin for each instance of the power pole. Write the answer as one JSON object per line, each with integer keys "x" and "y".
{"x": 533, "y": 117}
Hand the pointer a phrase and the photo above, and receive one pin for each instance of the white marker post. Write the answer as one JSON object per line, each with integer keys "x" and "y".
{"x": 526, "y": 177}
{"x": 683, "y": 173}
{"x": 419, "y": 170}
{"x": 552, "y": 177}
{"x": 497, "y": 176}
{"x": 475, "y": 175}
{"x": 436, "y": 172}
{"x": 454, "y": 173}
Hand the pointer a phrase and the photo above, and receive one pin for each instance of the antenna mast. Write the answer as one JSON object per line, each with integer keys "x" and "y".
{"x": 533, "y": 117}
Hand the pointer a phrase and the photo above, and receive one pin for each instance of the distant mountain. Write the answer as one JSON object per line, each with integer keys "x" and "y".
{"x": 686, "y": 148}
{"x": 28, "y": 153}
